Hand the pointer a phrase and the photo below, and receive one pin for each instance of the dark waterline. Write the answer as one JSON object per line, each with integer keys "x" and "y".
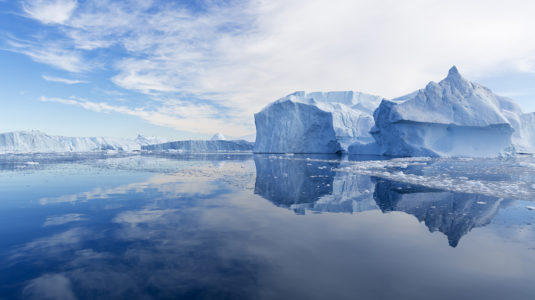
{"x": 249, "y": 227}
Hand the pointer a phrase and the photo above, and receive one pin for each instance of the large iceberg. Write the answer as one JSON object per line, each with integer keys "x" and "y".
{"x": 315, "y": 122}
{"x": 202, "y": 146}
{"x": 38, "y": 142}
{"x": 454, "y": 117}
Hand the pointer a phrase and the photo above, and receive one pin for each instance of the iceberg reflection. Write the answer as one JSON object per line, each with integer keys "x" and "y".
{"x": 453, "y": 214}
{"x": 288, "y": 182}
{"x": 302, "y": 185}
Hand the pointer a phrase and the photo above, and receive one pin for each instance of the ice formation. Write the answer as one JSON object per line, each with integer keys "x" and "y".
{"x": 315, "y": 122}
{"x": 454, "y": 117}
{"x": 39, "y": 142}
{"x": 202, "y": 146}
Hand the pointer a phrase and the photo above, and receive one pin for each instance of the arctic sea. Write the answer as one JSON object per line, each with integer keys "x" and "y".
{"x": 243, "y": 226}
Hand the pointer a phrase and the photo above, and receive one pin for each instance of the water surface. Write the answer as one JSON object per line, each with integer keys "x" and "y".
{"x": 265, "y": 227}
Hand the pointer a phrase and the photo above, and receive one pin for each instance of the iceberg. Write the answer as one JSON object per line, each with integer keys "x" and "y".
{"x": 218, "y": 137}
{"x": 143, "y": 140}
{"x": 202, "y": 146}
{"x": 315, "y": 122}
{"x": 250, "y": 137}
{"x": 524, "y": 135}
{"x": 38, "y": 142}
{"x": 452, "y": 118}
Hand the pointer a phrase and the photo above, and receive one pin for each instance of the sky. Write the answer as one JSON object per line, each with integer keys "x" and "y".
{"x": 189, "y": 69}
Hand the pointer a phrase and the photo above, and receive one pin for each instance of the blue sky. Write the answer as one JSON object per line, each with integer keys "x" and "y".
{"x": 188, "y": 69}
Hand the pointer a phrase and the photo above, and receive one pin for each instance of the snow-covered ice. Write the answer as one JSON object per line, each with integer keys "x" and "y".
{"x": 315, "y": 122}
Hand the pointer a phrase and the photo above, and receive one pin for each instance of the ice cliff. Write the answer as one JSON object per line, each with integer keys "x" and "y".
{"x": 454, "y": 117}
{"x": 39, "y": 142}
{"x": 315, "y": 122}
{"x": 202, "y": 146}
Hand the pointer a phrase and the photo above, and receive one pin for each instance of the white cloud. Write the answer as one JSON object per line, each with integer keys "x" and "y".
{"x": 249, "y": 53}
{"x": 384, "y": 47}
{"x": 198, "y": 118}
{"x": 53, "y": 54}
{"x": 49, "y": 11}
{"x": 62, "y": 80}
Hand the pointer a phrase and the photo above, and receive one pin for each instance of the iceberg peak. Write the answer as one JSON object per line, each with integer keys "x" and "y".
{"x": 457, "y": 82}
{"x": 454, "y": 72}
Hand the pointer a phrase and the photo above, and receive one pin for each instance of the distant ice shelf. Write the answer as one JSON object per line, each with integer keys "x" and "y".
{"x": 202, "y": 146}
{"x": 38, "y": 142}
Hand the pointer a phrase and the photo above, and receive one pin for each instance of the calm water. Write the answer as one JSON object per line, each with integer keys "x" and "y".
{"x": 265, "y": 227}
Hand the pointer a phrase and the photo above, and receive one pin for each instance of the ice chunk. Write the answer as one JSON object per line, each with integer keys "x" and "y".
{"x": 315, "y": 122}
